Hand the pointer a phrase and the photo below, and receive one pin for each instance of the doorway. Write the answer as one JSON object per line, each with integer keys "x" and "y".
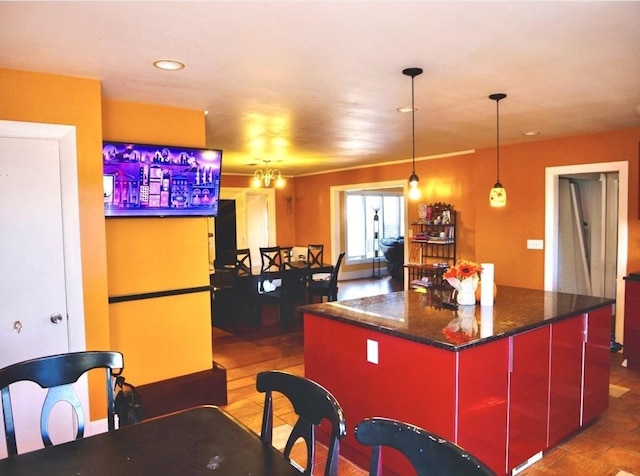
{"x": 255, "y": 218}
{"x": 610, "y": 179}
{"x": 41, "y": 292}
{"x": 225, "y": 234}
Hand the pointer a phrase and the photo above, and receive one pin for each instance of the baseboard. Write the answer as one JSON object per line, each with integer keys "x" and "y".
{"x": 208, "y": 387}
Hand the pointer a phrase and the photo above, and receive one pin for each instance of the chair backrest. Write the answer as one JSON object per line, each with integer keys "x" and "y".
{"x": 315, "y": 256}
{"x": 243, "y": 262}
{"x": 286, "y": 252}
{"x": 333, "y": 279}
{"x": 428, "y": 453}
{"x": 271, "y": 258}
{"x": 312, "y": 403}
{"x": 57, "y": 373}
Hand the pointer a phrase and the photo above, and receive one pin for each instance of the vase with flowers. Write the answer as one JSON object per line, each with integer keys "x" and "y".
{"x": 463, "y": 277}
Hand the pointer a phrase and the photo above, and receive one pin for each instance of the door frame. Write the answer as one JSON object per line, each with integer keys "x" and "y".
{"x": 239, "y": 194}
{"x": 552, "y": 177}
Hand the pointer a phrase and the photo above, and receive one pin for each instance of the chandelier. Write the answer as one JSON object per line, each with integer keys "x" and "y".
{"x": 267, "y": 176}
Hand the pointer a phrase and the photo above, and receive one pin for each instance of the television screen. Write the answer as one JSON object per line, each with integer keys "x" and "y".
{"x": 156, "y": 180}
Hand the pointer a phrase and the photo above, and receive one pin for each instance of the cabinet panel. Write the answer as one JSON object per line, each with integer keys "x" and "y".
{"x": 482, "y": 402}
{"x": 567, "y": 340}
{"x": 597, "y": 364}
{"x": 529, "y": 394}
{"x": 411, "y": 382}
{"x": 631, "y": 349}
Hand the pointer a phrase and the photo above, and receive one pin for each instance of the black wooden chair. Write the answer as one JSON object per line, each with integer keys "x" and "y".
{"x": 428, "y": 453}
{"x": 56, "y": 373}
{"x": 245, "y": 303}
{"x": 325, "y": 287}
{"x": 271, "y": 257}
{"x": 243, "y": 262}
{"x": 315, "y": 255}
{"x": 313, "y": 404}
{"x": 285, "y": 255}
{"x": 315, "y": 258}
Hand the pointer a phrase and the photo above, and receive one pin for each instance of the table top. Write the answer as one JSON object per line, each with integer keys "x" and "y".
{"x": 201, "y": 440}
{"x": 423, "y": 316}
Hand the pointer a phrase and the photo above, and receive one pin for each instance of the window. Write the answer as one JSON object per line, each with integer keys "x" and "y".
{"x": 361, "y": 206}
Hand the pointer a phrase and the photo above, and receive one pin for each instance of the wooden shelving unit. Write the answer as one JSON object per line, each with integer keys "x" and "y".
{"x": 433, "y": 243}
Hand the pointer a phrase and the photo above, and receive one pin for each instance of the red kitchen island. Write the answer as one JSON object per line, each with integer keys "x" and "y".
{"x": 504, "y": 382}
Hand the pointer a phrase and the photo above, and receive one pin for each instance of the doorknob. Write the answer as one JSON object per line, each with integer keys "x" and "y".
{"x": 56, "y": 318}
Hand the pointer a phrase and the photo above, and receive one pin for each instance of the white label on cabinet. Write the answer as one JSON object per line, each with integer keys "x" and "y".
{"x": 372, "y": 351}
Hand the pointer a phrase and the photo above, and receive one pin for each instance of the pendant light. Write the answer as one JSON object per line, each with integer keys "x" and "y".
{"x": 498, "y": 195}
{"x": 414, "y": 191}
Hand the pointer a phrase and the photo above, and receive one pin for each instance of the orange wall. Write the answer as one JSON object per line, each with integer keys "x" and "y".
{"x": 162, "y": 337}
{"x": 501, "y": 234}
{"x": 47, "y": 98}
{"x": 486, "y": 234}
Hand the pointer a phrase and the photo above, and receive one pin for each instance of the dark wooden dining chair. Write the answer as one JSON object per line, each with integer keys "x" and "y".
{"x": 244, "y": 302}
{"x": 243, "y": 262}
{"x": 56, "y": 373}
{"x": 315, "y": 255}
{"x": 271, "y": 257}
{"x": 315, "y": 259}
{"x": 313, "y": 404}
{"x": 286, "y": 252}
{"x": 428, "y": 453}
{"x": 325, "y": 287}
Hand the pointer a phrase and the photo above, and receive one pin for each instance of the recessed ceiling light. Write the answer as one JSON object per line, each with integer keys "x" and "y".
{"x": 407, "y": 109}
{"x": 168, "y": 64}
{"x": 530, "y": 133}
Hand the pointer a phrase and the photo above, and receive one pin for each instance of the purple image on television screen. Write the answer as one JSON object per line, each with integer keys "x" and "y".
{"x": 157, "y": 180}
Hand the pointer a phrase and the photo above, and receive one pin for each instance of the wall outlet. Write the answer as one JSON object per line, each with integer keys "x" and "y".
{"x": 535, "y": 244}
{"x": 372, "y": 351}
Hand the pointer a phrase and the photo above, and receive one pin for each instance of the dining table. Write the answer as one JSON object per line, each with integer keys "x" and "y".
{"x": 197, "y": 441}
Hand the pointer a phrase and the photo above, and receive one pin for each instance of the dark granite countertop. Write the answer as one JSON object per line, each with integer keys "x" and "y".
{"x": 633, "y": 276}
{"x": 419, "y": 315}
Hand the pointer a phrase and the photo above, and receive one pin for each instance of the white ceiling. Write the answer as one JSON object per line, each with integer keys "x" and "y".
{"x": 315, "y": 85}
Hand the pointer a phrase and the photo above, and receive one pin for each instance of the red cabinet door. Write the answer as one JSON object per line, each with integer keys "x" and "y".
{"x": 411, "y": 382}
{"x": 482, "y": 402}
{"x": 528, "y": 394}
{"x": 597, "y": 364}
{"x": 567, "y": 341}
{"x": 631, "y": 349}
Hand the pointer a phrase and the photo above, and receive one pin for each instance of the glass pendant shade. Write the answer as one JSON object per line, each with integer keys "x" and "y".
{"x": 498, "y": 196}
{"x": 414, "y": 191}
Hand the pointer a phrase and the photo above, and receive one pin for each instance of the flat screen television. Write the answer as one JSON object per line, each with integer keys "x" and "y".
{"x": 142, "y": 180}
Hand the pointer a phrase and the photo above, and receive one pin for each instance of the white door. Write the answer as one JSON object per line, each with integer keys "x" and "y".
{"x": 35, "y": 303}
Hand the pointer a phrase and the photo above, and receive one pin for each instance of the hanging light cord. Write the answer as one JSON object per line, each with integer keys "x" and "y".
{"x": 413, "y": 126}
{"x": 497, "y": 97}
{"x": 498, "y": 138}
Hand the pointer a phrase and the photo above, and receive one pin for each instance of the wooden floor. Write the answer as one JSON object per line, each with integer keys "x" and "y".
{"x": 610, "y": 446}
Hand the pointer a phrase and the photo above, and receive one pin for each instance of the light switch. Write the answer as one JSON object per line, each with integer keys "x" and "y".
{"x": 372, "y": 351}
{"x": 535, "y": 244}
